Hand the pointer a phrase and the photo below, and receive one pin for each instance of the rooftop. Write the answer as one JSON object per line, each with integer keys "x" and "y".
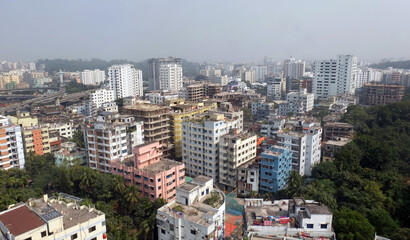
{"x": 202, "y": 179}
{"x": 340, "y": 143}
{"x": 161, "y": 166}
{"x": 20, "y": 220}
{"x": 145, "y": 107}
{"x": 187, "y": 186}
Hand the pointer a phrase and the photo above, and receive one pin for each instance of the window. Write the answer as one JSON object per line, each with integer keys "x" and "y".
{"x": 103, "y": 223}
{"x": 193, "y": 232}
{"x": 162, "y": 231}
{"x": 43, "y": 234}
{"x": 323, "y": 225}
{"x": 309, "y": 225}
{"x": 74, "y": 236}
{"x": 91, "y": 229}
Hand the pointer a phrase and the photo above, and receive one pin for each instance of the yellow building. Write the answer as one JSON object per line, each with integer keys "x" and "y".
{"x": 23, "y": 119}
{"x": 181, "y": 111}
{"x": 4, "y": 79}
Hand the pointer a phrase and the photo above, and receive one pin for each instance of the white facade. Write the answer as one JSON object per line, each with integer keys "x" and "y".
{"x": 297, "y": 103}
{"x": 313, "y": 133}
{"x": 260, "y": 72}
{"x": 111, "y": 137}
{"x": 92, "y": 77}
{"x": 125, "y": 81}
{"x": 273, "y": 126}
{"x": 296, "y": 143}
{"x": 170, "y": 76}
{"x": 11, "y": 145}
{"x": 333, "y": 77}
{"x": 234, "y": 150}
{"x": 274, "y": 89}
{"x": 111, "y": 107}
{"x": 101, "y": 96}
{"x": 65, "y": 129}
{"x": 200, "y": 142}
{"x": 158, "y": 98}
{"x": 189, "y": 216}
{"x": 293, "y": 68}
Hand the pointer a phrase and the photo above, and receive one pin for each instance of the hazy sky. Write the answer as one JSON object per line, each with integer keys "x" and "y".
{"x": 223, "y": 30}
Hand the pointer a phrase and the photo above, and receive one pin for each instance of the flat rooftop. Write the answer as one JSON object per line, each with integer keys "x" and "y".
{"x": 276, "y": 209}
{"x": 72, "y": 213}
{"x": 161, "y": 166}
{"x": 340, "y": 143}
{"x": 188, "y": 186}
{"x": 145, "y": 107}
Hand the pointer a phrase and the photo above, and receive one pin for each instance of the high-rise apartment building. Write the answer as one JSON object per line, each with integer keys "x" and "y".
{"x": 275, "y": 89}
{"x": 92, "y": 77}
{"x": 293, "y": 68}
{"x": 165, "y": 74}
{"x": 11, "y": 145}
{"x": 109, "y": 137}
{"x": 260, "y": 72}
{"x": 234, "y": 150}
{"x": 101, "y": 96}
{"x": 200, "y": 141}
{"x": 125, "y": 81}
{"x": 332, "y": 77}
{"x": 381, "y": 94}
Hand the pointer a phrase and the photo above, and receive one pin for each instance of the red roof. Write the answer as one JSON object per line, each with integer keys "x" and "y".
{"x": 21, "y": 220}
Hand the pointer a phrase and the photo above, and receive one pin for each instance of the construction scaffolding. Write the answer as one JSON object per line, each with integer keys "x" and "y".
{"x": 233, "y": 216}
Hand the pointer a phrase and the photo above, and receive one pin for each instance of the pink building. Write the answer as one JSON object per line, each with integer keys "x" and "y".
{"x": 154, "y": 176}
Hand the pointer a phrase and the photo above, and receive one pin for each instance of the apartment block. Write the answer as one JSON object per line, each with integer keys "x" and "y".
{"x": 154, "y": 176}
{"x": 331, "y": 147}
{"x": 381, "y": 94}
{"x": 165, "y": 74}
{"x": 248, "y": 178}
{"x": 313, "y": 132}
{"x": 287, "y": 217}
{"x": 276, "y": 88}
{"x": 198, "y": 92}
{"x": 109, "y": 137}
{"x": 197, "y": 213}
{"x": 335, "y": 76}
{"x": 36, "y": 139}
{"x": 160, "y": 97}
{"x": 64, "y": 129}
{"x": 92, "y": 77}
{"x": 156, "y": 123}
{"x": 200, "y": 141}
{"x": 101, "y": 96}
{"x": 235, "y": 149}
{"x": 297, "y": 103}
{"x": 52, "y": 219}
{"x": 260, "y": 72}
{"x": 275, "y": 167}
{"x": 181, "y": 112}
{"x": 293, "y": 68}
{"x": 125, "y": 81}
{"x": 11, "y": 145}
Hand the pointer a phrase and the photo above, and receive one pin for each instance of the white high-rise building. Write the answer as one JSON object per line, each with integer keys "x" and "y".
{"x": 293, "y": 68}
{"x": 165, "y": 74}
{"x": 313, "y": 132}
{"x": 260, "y": 72}
{"x": 200, "y": 141}
{"x": 332, "y": 77}
{"x": 125, "y": 81}
{"x": 92, "y": 77}
{"x": 101, "y": 96}
{"x": 274, "y": 89}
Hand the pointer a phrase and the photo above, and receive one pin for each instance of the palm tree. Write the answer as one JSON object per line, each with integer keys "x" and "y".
{"x": 295, "y": 182}
{"x": 87, "y": 181}
{"x": 132, "y": 195}
{"x": 119, "y": 186}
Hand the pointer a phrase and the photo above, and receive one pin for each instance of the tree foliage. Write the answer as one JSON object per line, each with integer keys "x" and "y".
{"x": 128, "y": 214}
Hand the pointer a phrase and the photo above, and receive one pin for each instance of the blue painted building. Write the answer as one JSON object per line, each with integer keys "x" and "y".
{"x": 275, "y": 167}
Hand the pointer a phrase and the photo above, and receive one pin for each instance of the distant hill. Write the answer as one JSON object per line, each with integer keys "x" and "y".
{"x": 396, "y": 64}
{"x": 54, "y": 65}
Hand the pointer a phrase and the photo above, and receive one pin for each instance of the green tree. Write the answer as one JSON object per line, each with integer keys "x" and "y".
{"x": 247, "y": 115}
{"x": 295, "y": 183}
{"x": 78, "y": 138}
{"x": 351, "y": 225}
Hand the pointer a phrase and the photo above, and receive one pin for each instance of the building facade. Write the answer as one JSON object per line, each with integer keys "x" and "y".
{"x": 200, "y": 139}
{"x": 125, "y": 81}
{"x": 153, "y": 176}
{"x": 165, "y": 74}
{"x": 101, "y": 96}
{"x": 381, "y": 94}
{"x": 109, "y": 137}
{"x": 275, "y": 167}
{"x": 293, "y": 68}
{"x": 11, "y": 145}
{"x": 92, "y": 77}
{"x": 297, "y": 103}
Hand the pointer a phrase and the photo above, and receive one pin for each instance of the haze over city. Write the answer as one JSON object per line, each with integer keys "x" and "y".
{"x": 204, "y": 30}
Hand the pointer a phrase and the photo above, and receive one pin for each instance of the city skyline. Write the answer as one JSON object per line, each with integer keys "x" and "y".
{"x": 215, "y": 31}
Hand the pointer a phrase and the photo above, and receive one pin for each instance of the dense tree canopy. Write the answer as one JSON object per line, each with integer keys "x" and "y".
{"x": 128, "y": 214}
{"x": 367, "y": 184}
